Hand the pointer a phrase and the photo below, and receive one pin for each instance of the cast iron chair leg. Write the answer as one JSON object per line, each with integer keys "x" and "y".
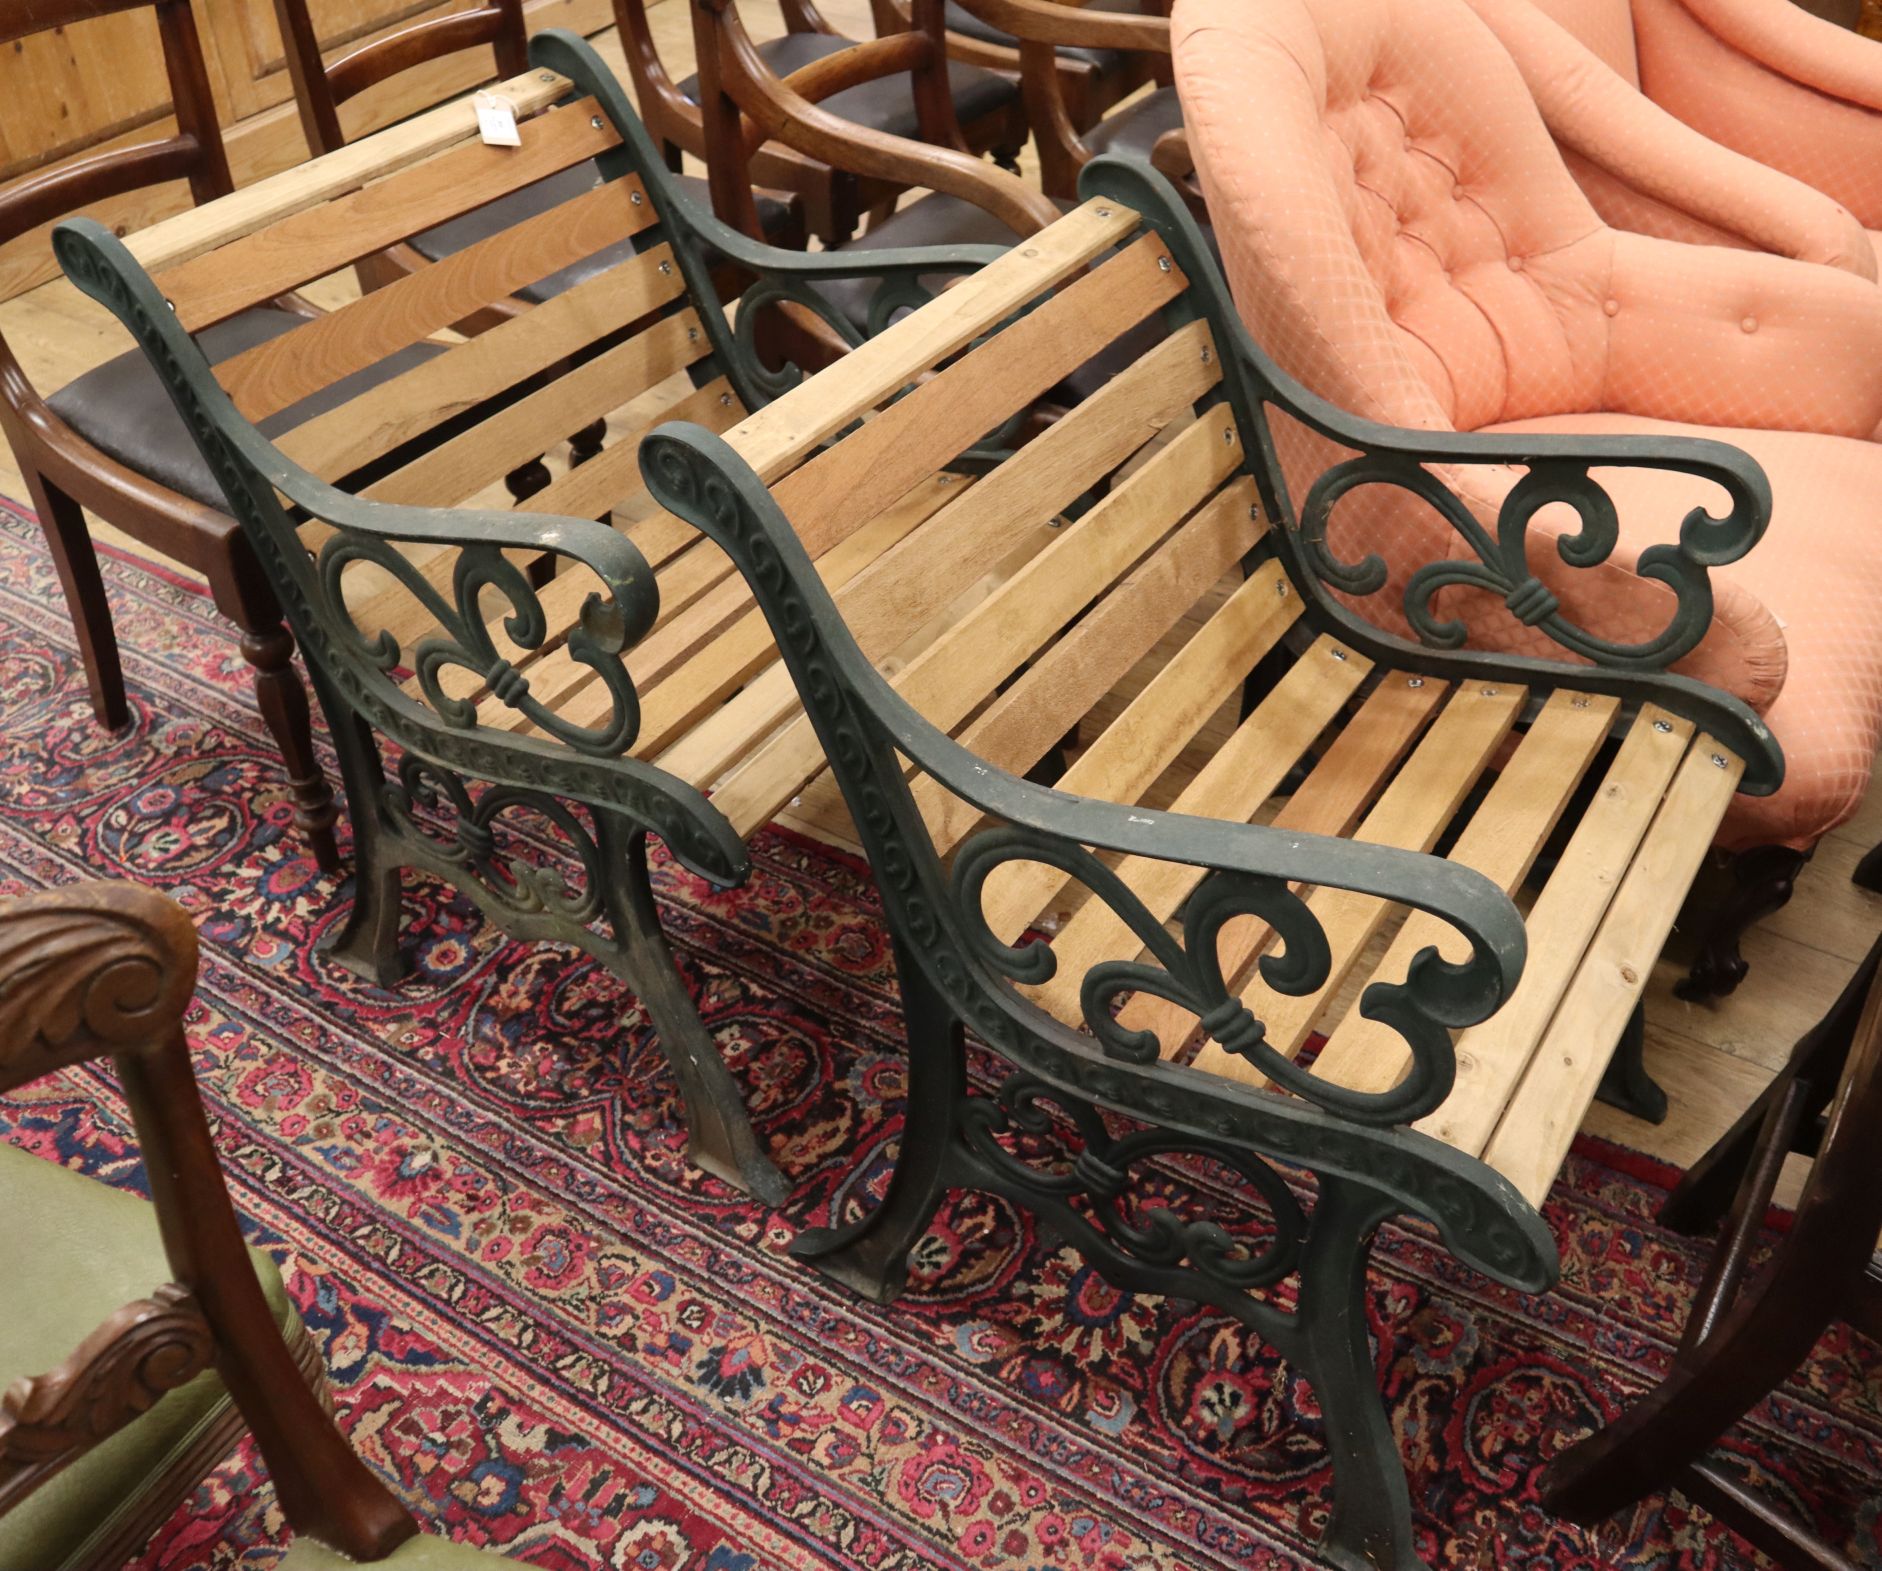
{"x": 1625, "y": 1083}
{"x": 1868, "y": 874}
{"x": 720, "y": 1139}
{"x": 69, "y": 541}
{"x": 1763, "y": 880}
{"x": 870, "y": 1255}
{"x": 368, "y": 943}
{"x": 1370, "y": 1528}
{"x": 242, "y": 595}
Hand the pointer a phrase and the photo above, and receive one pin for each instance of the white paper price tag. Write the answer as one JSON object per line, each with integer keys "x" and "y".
{"x": 496, "y": 121}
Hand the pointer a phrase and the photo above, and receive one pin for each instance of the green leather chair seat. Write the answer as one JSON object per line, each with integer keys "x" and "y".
{"x": 76, "y": 1250}
{"x": 423, "y": 1553}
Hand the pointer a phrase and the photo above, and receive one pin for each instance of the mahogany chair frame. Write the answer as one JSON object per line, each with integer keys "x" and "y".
{"x": 107, "y": 970}
{"x": 1043, "y": 28}
{"x": 836, "y": 197}
{"x": 1747, "y": 1332}
{"x": 1085, "y": 91}
{"x": 746, "y": 108}
{"x": 66, "y": 474}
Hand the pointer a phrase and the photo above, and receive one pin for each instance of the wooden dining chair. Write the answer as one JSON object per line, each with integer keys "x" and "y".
{"x": 136, "y": 1341}
{"x": 986, "y": 107}
{"x": 1091, "y": 76}
{"x": 1749, "y": 1329}
{"x": 110, "y": 441}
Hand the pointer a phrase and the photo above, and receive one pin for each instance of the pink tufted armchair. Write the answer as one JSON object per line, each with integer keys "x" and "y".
{"x": 1645, "y": 169}
{"x": 1401, "y": 235}
{"x": 1763, "y": 77}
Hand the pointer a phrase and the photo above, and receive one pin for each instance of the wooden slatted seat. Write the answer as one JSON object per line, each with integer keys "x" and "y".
{"x": 848, "y": 585}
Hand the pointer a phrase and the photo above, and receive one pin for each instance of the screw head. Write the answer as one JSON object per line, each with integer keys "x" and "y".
{"x": 595, "y": 121}
{"x": 1579, "y": 701}
{"x": 1718, "y": 761}
{"x": 666, "y": 267}
{"x": 172, "y": 305}
{"x": 635, "y": 198}
{"x": 1337, "y": 652}
{"x": 1164, "y": 264}
{"x": 726, "y": 400}
{"x": 1663, "y": 726}
{"x": 1206, "y": 356}
{"x": 1414, "y": 681}
{"x": 546, "y": 76}
{"x": 1488, "y": 692}
{"x": 1102, "y": 212}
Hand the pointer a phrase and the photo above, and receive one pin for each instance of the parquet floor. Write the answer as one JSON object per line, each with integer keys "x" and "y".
{"x": 1713, "y": 1058}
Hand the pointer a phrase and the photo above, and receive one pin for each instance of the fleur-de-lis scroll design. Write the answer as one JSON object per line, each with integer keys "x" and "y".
{"x": 1436, "y": 996}
{"x": 1503, "y": 568}
{"x": 603, "y": 632}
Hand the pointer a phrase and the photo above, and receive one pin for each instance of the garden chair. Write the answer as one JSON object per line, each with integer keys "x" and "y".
{"x": 1403, "y": 236}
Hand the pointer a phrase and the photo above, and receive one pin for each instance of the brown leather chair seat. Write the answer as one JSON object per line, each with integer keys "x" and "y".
{"x": 888, "y": 104}
{"x": 121, "y": 408}
{"x": 508, "y": 211}
{"x": 1132, "y": 130}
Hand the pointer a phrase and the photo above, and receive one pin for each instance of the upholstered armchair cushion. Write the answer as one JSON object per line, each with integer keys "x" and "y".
{"x": 76, "y": 1250}
{"x": 1643, "y": 169}
{"x": 1402, "y": 236}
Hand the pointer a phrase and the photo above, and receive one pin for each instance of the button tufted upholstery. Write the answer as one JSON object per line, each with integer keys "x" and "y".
{"x": 1402, "y": 236}
{"x": 1642, "y": 168}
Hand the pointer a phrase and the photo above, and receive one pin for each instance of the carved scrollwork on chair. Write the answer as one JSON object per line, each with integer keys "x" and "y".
{"x": 80, "y": 975}
{"x": 143, "y": 1350}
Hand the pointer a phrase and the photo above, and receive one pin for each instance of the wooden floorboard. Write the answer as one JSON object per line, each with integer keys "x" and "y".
{"x": 1713, "y": 1058}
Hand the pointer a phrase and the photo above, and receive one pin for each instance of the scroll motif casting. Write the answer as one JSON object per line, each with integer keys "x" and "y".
{"x": 1502, "y": 566}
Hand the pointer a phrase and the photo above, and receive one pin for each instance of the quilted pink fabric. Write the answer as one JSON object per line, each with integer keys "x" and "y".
{"x": 1642, "y": 168}
{"x": 1402, "y": 236}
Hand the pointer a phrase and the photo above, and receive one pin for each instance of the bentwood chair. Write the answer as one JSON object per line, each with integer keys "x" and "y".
{"x": 985, "y": 107}
{"x": 1091, "y": 76}
{"x": 110, "y": 440}
{"x": 188, "y": 1336}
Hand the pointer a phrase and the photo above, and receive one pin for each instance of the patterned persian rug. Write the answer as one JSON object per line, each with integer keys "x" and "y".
{"x": 553, "y": 1337}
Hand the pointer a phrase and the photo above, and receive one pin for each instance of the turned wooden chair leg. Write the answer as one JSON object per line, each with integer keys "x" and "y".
{"x": 68, "y": 539}
{"x": 1743, "y": 1339}
{"x": 243, "y": 596}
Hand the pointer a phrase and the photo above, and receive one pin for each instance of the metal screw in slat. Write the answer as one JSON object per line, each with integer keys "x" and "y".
{"x": 171, "y": 304}
{"x": 547, "y": 76}
{"x": 1718, "y": 760}
{"x": 595, "y": 121}
{"x": 1579, "y": 701}
{"x": 666, "y": 267}
{"x": 1488, "y": 692}
{"x": 1205, "y": 359}
{"x": 1414, "y": 681}
{"x": 726, "y": 399}
{"x": 1163, "y": 264}
{"x": 1337, "y": 653}
{"x": 1663, "y": 726}
{"x": 1102, "y": 212}
{"x": 692, "y": 335}
{"x": 635, "y": 198}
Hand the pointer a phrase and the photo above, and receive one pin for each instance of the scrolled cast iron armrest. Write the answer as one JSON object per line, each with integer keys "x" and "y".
{"x": 700, "y": 477}
{"x": 784, "y": 274}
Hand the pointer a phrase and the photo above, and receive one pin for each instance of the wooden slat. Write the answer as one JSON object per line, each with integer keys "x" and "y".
{"x": 779, "y": 435}
{"x": 1061, "y": 686}
{"x": 1492, "y": 1057}
{"x": 1411, "y": 813}
{"x": 746, "y": 646}
{"x": 1239, "y": 776}
{"x": 176, "y": 240}
{"x": 953, "y": 675}
{"x": 1534, "y": 1134}
{"x": 463, "y": 466}
{"x": 314, "y": 242}
{"x": 1151, "y": 730}
{"x": 1501, "y": 841}
{"x": 851, "y": 482}
{"x": 284, "y": 370}
{"x": 1339, "y": 787}
{"x": 419, "y": 400}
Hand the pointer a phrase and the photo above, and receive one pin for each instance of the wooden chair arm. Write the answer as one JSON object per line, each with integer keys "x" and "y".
{"x": 1066, "y": 24}
{"x": 783, "y": 114}
{"x": 837, "y": 73}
